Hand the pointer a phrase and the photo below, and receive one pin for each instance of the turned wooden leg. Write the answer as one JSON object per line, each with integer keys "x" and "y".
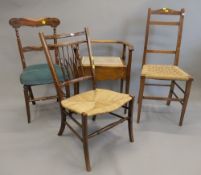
{"x": 85, "y": 141}
{"x": 63, "y": 121}
{"x": 26, "y": 97}
{"x": 170, "y": 92}
{"x": 185, "y": 101}
{"x": 130, "y": 120}
{"x": 140, "y": 97}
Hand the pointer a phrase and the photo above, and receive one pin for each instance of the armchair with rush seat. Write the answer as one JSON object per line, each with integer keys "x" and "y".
{"x": 71, "y": 48}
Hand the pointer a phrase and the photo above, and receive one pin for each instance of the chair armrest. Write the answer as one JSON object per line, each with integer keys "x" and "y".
{"x": 76, "y": 80}
{"x": 130, "y": 46}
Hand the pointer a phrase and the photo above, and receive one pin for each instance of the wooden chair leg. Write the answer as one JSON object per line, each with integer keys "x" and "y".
{"x": 85, "y": 141}
{"x": 185, "y": 101}
{"x": 26, "y": 97}
{"x": 130, "y": 120}
{"x": 170, "y": 92}
{"x": 76, "y": 88}
{"x": 140, "y": 97}
{"x": 67, "y": 90}
{"x": 63, "y": 121}
{"x": 121, "y": 85}
{"x": 125, "y": 109}
{"x": 94, "y": 118}
{"x": 31, "y": 95}
{"x": 127, "y": 85}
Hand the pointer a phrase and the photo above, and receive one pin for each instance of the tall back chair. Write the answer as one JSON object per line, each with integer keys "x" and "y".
{"x": 164, "y": 72}
{"x": 37, "y": 74}
{"x": 71, "y": 48}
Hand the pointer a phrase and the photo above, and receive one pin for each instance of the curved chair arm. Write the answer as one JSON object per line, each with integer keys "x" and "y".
{"x": 130, "y": 46}
{"x": 126, "y": 46}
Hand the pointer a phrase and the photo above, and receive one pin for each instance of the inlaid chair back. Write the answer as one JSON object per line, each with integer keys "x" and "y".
{"x": 18, "y": 23}
{"x": 165, "y": 22}
{"x": 70, "y": 48}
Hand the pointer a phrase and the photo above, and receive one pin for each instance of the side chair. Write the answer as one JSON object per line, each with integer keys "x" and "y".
{"x": 171, "y": 73}
{"x": 71, "y": 48}
{"x": 35, "y": 74}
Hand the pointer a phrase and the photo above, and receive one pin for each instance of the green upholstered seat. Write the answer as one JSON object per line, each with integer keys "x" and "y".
{"x": 39, "y": 74}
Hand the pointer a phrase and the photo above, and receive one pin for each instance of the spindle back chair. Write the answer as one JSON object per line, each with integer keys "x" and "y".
{"x": 70, "y": 49}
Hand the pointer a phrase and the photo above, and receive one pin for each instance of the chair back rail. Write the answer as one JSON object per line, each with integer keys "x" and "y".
{"x": 150, "y": 22}
{"x": 70, "y": 48}
{"x": 18, "y": 23}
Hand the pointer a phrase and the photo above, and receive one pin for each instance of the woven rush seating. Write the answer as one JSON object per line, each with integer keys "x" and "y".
{"x": 96, "y": 102}
{"x": 165, "y": 72}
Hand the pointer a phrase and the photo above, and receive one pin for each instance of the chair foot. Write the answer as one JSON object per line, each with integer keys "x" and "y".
{"x": 140, "y": 98}
{"x": 61, "y": 130}
{"x": 85, "y": 142}
{"x": 63, "y": 122}
{"x": 26, "y": 97}
{"x": 185, "y": 102}
{"x": 139, "y": 111}
{"x": 130, "y": 120}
